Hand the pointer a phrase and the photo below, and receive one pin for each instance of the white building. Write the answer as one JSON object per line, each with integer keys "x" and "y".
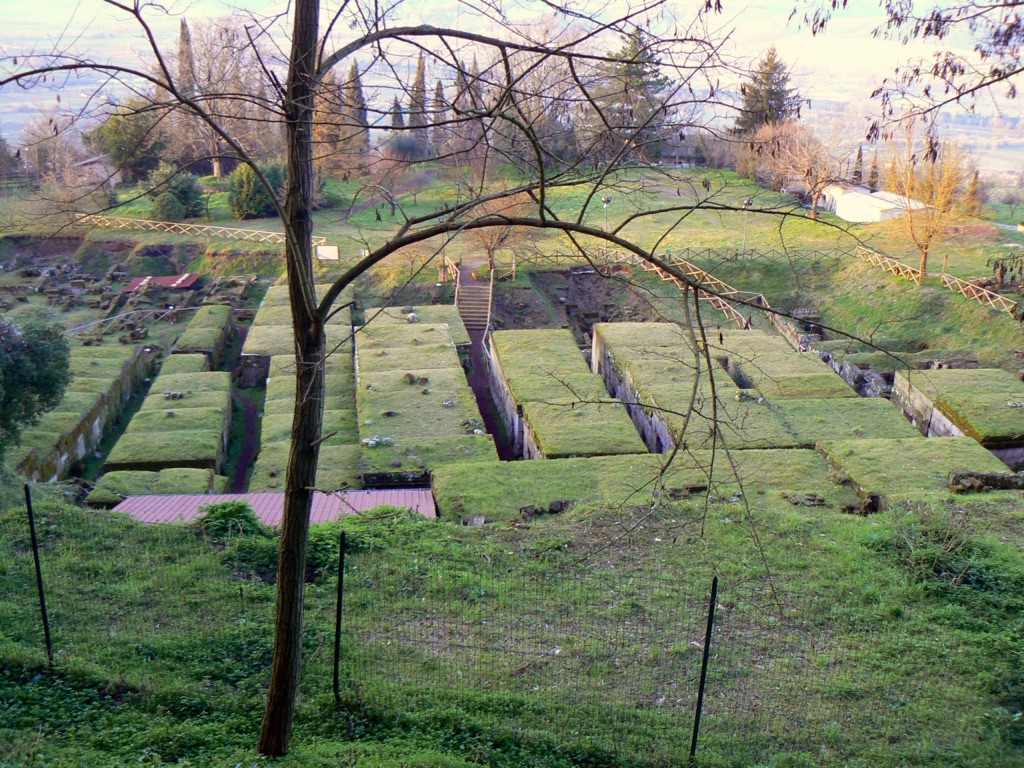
{"x": 859, "y": 204}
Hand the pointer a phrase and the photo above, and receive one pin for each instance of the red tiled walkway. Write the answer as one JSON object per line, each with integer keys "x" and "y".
{"x": 269, "y": 506}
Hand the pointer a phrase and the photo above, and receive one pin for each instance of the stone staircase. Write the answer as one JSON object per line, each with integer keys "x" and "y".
{"x": 474, "y": 305}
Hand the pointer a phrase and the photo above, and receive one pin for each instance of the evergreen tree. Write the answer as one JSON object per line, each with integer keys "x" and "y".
{"x": 328, "y": 116}
{"x": 397, "y": 116}
{"x": 8, "y": 162}
{"x": 33, "y": 376}
{"x": 858, "y": 166}
{"x": 439, "y": 110}
{"x": 186, "y": 61}
{"x": 631, "y": 98}
{"x": 873, "y": 174}
{"x": 767, "y": 97}
{"x": 418, "y": 102}
{"x": 355, "y": 133}
{"x": 131, "y": 137}
{"x": 182, "y": 185}
{"x": 247, "y": 197}
{"x": 973, "y": 199}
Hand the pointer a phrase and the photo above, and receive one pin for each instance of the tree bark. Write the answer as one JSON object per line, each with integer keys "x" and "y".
{"x": 310, "y": 344}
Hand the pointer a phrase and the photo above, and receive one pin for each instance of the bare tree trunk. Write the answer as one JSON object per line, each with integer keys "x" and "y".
{"x": 300, "y": 479}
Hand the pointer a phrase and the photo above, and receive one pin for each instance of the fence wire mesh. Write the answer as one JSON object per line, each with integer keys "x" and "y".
{"x": 606, "y": 661}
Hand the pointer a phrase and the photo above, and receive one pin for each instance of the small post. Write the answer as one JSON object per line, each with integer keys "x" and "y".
{"x": 337, "y": 620}
{"x": 704, "y": 667}
{"x": 39, "y": 576}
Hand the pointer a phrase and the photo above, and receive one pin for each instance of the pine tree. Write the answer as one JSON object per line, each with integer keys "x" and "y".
{"x": 397, "y": 116}
{"x": 418, "y": 102}
{"x": 873, "y": 174}
{"x": 858, "y": 166}
{"x": 630, "y": 99}
{"x": 767, "y": 97}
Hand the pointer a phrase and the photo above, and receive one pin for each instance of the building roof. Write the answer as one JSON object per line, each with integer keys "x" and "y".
{"x": 269, "y": 506}
{"x": 178, "y": 282}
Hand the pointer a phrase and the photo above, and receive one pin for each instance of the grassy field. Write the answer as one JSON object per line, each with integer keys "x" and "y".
{"x": 554, "y": 640}
{"x": 891, "y": 640}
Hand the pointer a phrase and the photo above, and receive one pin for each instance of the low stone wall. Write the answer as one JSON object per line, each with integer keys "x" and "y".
{"x": 646, "y": 417}
{"x": 86, "y": 436}
{"x": 503, "y": 400}
{"x": 253, "y": 370}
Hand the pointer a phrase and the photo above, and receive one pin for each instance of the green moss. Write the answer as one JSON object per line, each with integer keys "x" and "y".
{"x": 185, "y": 363}
{"x": 172, "y": 419}
{"x": 588, "y": 429}
{"x": 405, "y": 413}
{"x": 909, "y": 467}
{"x": 446, "y": 314}
{"x": 812, "y": 421}
{"x": 426, "y": 453}
{"x": 183, "y": 448}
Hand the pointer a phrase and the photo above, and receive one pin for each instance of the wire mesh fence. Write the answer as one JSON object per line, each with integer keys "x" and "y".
{"x": 607, "y": 661}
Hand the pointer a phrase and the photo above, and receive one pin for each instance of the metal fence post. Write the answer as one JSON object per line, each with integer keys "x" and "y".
{"x": 39, "y": 576}
{"x": 704, "y": 667}
{"x": 337, "y": 619}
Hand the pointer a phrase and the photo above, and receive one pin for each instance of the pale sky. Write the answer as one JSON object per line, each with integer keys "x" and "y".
{"x": 845, "y": 64}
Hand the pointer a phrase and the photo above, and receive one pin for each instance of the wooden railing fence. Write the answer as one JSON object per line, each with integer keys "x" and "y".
{"x": 981, "y": 295}
{"x": 897, "y": 268}
{"x": 183, "y": 228}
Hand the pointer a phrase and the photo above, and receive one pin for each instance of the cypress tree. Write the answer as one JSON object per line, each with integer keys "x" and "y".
{"x": 397, "y": 116}
{"x": 873, "y": 174}
{"x": 858, "y": 166}
{"x": 355, "y": 133}
{"x": 439, "y": 110}
{"x": 418, "y": 102}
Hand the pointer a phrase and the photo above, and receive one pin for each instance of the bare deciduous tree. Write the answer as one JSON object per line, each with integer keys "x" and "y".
{"x": 492, "y": 111}
{"x": 930, "y": 183}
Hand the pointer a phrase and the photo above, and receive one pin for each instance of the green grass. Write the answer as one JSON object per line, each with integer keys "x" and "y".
{"x": 384, "y": 336}
{"x": 909, "y": 467}
{"x": 111, "y": 489}
{"x": 185, "y": 363}
{"x": 408, "y": 358}
{"x": 446, "y": 314}
{"x": 157, "y": 422}
{"x": 978, "y": 401}
{"x": 588, "y": 429}
{"x": 410, "y": 413}
{"x": 545, "y": 366}
{"x": 816, "y": 420}
{"x": 182, "y": 448}
{"x": 420, "y": 454}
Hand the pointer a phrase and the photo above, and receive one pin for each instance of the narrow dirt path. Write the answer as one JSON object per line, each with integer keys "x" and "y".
{"x": 249, "y": 448}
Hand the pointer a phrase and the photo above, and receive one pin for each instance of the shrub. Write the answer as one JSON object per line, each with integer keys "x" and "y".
{"x": 248, "y": 197}
{"x": 168, "y": 208}
{"x": 223, "y": 520}
{"x": 168, "y": 179}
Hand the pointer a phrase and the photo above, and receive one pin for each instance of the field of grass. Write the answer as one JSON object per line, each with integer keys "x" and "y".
{"x": 169, "y": 649}
{"x": 983, "y": 403}
{"x": 887, "y": 641}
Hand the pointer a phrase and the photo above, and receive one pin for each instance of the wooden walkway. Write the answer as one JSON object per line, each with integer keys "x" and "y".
{"x": 269, "y": 506}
